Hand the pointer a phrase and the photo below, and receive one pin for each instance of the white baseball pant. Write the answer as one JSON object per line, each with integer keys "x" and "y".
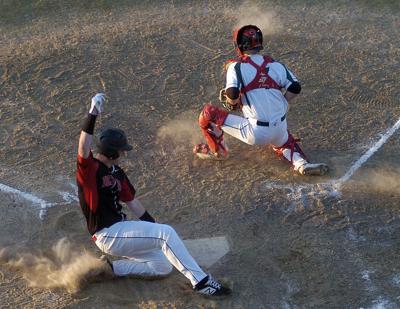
{"x": 149, "y": 250}
{"x": 247, "y": 130}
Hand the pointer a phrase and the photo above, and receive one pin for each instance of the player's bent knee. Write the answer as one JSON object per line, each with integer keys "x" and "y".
{"x": 251, "y": 142}
{"x": 167, "y": 231}
{"x": 212, "y": 114}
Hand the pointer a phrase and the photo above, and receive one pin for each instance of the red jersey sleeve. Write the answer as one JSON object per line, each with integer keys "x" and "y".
{"x": 127, "y": 191}
{"x": 86, "y": 171}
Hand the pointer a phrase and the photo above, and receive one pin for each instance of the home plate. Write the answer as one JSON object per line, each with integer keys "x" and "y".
{"x": 207, "y": 251}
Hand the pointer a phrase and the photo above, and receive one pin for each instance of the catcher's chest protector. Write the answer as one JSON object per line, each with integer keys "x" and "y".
{"x": 262, "y": 79}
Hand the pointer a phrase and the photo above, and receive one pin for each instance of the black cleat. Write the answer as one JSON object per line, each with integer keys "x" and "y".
{"x": 211, "y": 287}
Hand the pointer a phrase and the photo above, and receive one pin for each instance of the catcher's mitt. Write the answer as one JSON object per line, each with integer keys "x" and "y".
{"x": 225, "y": 104}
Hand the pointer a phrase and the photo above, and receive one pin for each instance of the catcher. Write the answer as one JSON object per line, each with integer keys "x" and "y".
{"x": 261, "y": 88}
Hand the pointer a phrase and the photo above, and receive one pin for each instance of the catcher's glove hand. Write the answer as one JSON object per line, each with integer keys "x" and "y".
{"x": 228, "y": 106}
{"x": 222, "y": 95}
{"x": 224, "y": 101}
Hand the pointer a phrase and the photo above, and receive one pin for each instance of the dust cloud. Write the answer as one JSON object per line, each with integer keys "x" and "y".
{"x": 182, "y": 130}
{"x": 62, "y": 267}
{"x": 262, "y": 16}
{"x": 383, "y": 180}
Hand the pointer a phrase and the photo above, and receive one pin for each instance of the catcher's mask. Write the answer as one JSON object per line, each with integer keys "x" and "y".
{"x": 111, "y": 141}
{"x": 248, "y": 37}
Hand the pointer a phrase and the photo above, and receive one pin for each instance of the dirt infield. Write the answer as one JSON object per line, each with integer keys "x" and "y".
{"x": 292, "y": 246}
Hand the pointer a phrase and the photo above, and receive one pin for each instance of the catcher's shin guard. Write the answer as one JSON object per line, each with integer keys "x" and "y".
{"x": 300, "y": 162}
{"x": 210, "y": 120}
{"x": 293, "y": 146}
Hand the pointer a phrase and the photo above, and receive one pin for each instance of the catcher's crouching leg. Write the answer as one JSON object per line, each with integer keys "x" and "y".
{"x": 210, "y": 120}
{"x": 293, "y": 153}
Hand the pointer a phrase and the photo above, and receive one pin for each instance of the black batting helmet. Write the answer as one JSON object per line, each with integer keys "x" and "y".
{"x": 111, "y": 141}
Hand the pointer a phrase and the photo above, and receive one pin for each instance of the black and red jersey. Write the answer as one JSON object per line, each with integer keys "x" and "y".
{"x": 101, "y": 189}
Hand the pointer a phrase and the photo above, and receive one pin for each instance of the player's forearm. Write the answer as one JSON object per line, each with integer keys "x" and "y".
{"x": 139, "y": 211}
{"x": 290, "y": 96}
{"x": 292, "y": 91}
{"x": 136, "y": 207}
{"x": 85, "y": 139}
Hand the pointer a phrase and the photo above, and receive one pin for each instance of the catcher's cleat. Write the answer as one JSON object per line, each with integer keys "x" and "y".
{"x": 211, "y": 287}
{"x": 203, "y": 152}
{"x": 313, "y": 169}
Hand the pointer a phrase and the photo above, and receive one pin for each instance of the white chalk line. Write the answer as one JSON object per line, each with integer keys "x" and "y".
{"x": 333, "y": 187}
{"x": 380, "y": 301}
{"x": 29, "y": 197}
{"x": 43, "y": 205}
{"x": 69, "y": 197}
{"x": 367, "y": 155}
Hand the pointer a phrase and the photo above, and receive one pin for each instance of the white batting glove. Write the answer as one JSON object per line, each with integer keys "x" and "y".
{"x": 96, "y": 106}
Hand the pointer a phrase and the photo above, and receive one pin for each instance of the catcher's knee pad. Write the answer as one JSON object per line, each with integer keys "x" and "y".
{"x": 291, "y": 144}
{"x": 212, "y": 114}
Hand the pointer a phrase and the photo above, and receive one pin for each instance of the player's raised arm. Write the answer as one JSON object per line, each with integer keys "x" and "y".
{"x": 85, "y": 139}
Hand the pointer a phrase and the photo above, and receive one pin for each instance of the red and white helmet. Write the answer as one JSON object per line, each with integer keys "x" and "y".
{"x": 248, "y": 37}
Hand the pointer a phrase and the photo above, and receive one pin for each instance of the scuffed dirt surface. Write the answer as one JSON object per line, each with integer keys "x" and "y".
{"x": 289, "y": 250}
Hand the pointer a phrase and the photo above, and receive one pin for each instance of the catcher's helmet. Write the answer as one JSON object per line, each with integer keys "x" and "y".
{"x": 248, "y": 37}
{"x": 111, "y": 141}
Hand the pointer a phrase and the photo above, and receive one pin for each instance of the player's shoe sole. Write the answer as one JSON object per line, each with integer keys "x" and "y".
{"x": 202, "y": 151}
{"x": 314, "y": 169}
{"x": 210, "y": 156}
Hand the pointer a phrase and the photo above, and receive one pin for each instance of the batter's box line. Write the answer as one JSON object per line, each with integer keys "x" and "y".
{"x": 333, "y": 187}
{"x": 43, "y": 205}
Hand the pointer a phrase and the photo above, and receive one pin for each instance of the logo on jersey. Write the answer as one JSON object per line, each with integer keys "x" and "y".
{"x": 263, "y": 78}
{"x": 110, "y": 182}
{"x": 265, "y": 81}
